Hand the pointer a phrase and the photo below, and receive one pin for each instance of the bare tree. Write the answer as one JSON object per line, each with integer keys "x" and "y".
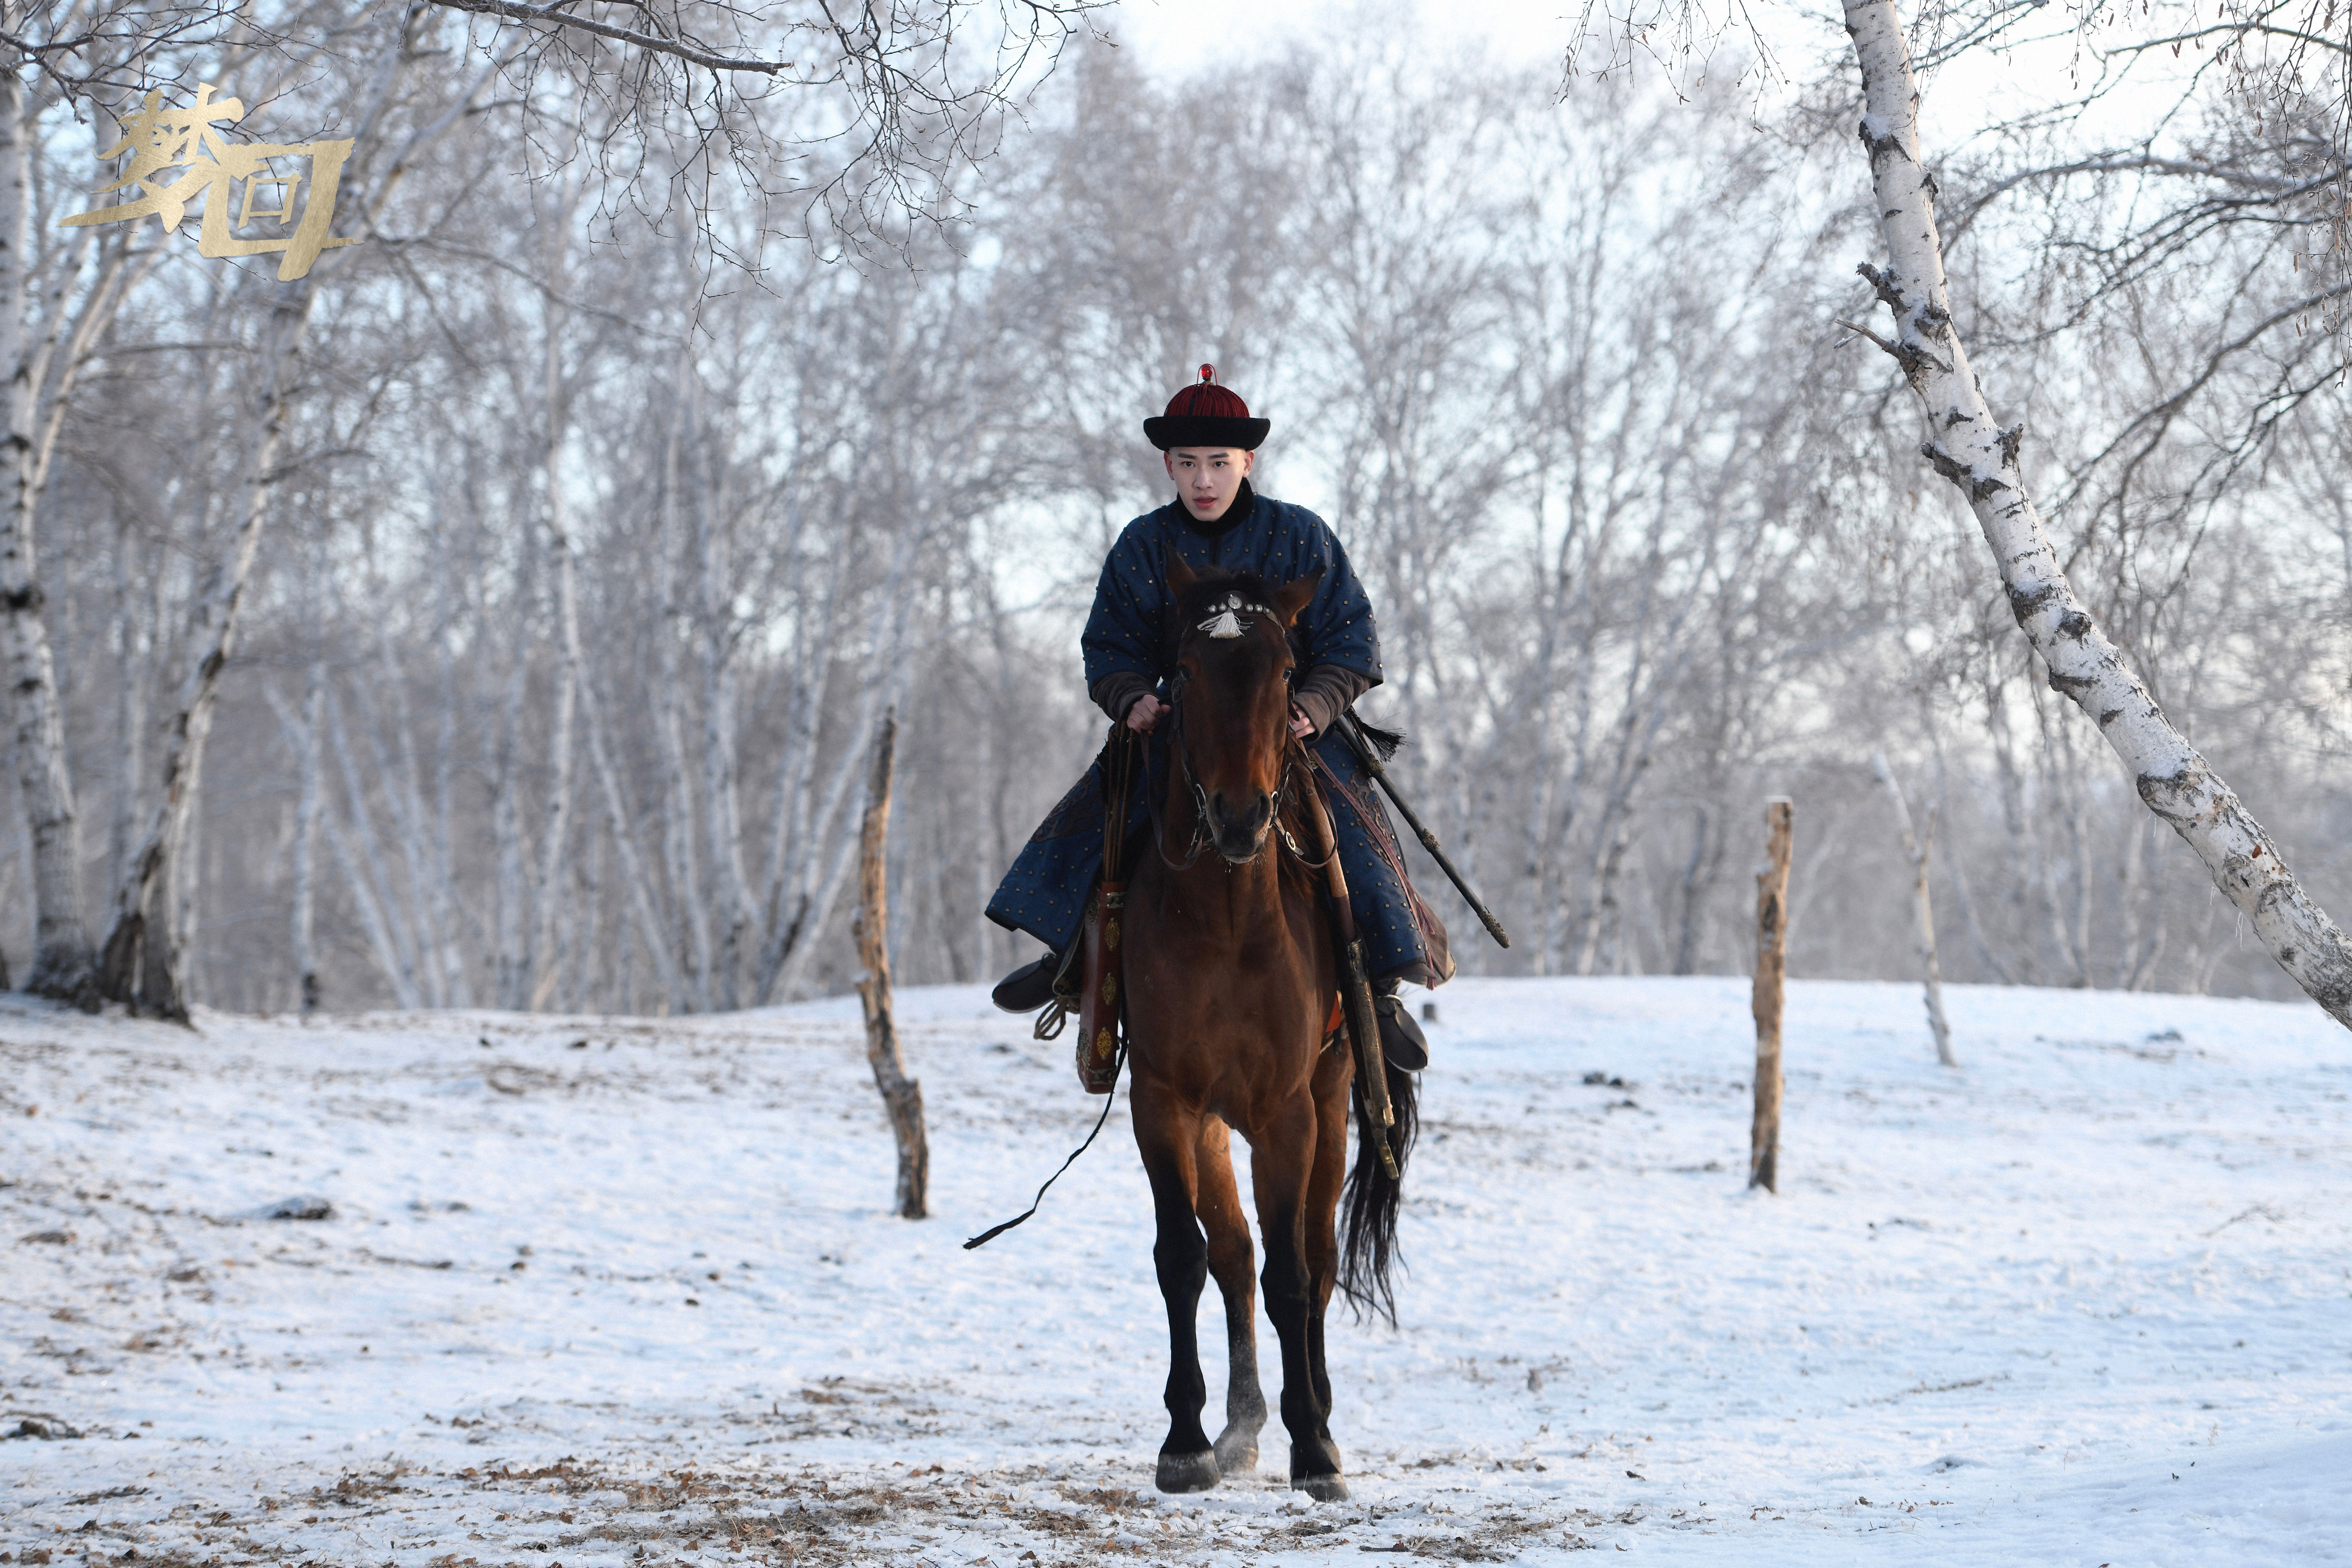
{"x": 895, "y": 104}
{"x": 1643, "y": 546}
{"x": 1971, "y": 449}
{"x": 145, "y": 943}
{"x": 1915, "y": 850}
{"x": 42, "y": 356}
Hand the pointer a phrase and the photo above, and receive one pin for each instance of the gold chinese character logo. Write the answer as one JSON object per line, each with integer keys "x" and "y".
{"x": 160, "y": 140}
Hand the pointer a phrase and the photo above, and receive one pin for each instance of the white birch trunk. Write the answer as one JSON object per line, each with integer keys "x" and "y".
{"x": 189, "y": 973}
{"x": 787, "y": 902}
{"x": 1915, "y": 850}
{"x": 808, "y": 675}
{"x": 64, "y": 965}
{"x": 368, "y": 865}
{"x": 713, "y": 535}
{"x": 625, "y": 838}
{"x": 392, "y": 745}
{"x": 555, "y": 819}
{"x": 722, "y": 810}
{"x": 833, "y": 826}
{"x": 129, "y": 644}
{"x": 141, "y": 931}
{"x": 676, "y": 795}
{"x": 305, "y": 732}
{"x": 982, "y": 874}
{"x": 449, "y": 908}
{"x": 305, "y": 828}
{"x": 371, "y": 915}
{"x": 576, "y": 682}
{"x": 1969, "y": 448}
{"x": 830, "y": 853}
{"x": 1693, "y": 888}
{"x": 511, "y": 982}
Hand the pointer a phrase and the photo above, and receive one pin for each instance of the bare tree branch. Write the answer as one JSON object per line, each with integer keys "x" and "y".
{"x": 556, "y": 16}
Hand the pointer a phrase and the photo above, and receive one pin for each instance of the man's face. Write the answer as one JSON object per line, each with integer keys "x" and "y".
{"x": 1207, "y": 476}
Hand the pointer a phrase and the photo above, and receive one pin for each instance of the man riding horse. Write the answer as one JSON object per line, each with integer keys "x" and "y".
{"x": 1209, "y": 443}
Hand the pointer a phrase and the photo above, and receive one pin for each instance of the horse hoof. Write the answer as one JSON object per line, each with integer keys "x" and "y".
{"x": 1322, "y": 1488}
{"x": 1237, "y": 1453}
{"x": 1187, "y": 1472}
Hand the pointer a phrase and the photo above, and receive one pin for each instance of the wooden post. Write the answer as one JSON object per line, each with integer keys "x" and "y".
{"x": 1771, "y": 966}
{"x": 902, "y": 1097}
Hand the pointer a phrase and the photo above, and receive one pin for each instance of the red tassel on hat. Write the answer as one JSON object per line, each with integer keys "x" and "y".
{"x": 1204, "y": 396}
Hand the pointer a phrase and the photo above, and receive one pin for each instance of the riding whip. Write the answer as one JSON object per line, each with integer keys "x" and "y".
{"x": 1371, "y": 761}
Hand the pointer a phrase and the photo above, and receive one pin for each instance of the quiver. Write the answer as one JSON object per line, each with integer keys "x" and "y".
{"x": 1101, "y": 971}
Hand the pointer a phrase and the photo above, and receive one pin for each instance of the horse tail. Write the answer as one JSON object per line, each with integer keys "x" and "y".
{"x": 1368, "y": 1249}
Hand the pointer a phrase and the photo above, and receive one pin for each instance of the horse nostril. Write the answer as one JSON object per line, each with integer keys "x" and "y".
{"x": 1226, "y": 819}
{"x": 1229, "y": 824}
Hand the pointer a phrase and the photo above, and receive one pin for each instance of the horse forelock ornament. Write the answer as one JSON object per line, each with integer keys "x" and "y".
{"x": 1224, "y": 618}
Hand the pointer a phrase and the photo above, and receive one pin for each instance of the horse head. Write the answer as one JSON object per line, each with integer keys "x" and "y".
{"x": 1234, "y": 671}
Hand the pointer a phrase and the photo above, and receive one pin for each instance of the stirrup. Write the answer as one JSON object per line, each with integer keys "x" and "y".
{"x": 1065, "y": 1005}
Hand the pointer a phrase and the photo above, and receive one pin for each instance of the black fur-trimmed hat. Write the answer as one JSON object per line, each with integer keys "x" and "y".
{"x": 1206, "y": 415}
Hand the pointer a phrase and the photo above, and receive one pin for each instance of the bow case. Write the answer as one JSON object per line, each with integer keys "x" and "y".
{"x": 1102, "y": 937}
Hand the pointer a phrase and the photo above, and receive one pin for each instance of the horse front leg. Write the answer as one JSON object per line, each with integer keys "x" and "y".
{"x": 1326, "y": 1179}
{"x": 1282, "y": 1169}
{"x": 1168, "y": 1135}
{"x": 1230, "y": 1260}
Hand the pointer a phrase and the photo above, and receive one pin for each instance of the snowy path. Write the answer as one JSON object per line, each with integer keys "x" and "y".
{"x": 2087, "y": 1300}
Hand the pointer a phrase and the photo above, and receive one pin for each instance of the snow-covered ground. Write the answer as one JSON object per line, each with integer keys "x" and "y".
{"x": 596, "y": 1291}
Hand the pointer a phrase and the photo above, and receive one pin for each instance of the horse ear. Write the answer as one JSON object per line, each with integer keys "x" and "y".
{"x": 1293, "y": 597}
{"x": 1179, "y": 576}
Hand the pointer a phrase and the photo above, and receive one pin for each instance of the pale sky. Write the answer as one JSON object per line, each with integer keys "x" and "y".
{"x": 1176, "y": 37}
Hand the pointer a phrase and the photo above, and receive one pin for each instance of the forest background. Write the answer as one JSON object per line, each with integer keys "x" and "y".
{"x": 604, "y": 519}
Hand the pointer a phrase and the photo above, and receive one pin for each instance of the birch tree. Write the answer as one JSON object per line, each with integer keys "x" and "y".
{"x": 1649, "y": 534}
{"x": 42, "y": 356}
{"x": 1969, "y": 448}
{"x": 144, "y": 944}
{"x": 62, "y": 958}
{"x": 1917, "y": 846}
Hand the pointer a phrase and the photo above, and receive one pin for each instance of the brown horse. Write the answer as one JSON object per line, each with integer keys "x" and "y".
{"x": 1230, "y": 975}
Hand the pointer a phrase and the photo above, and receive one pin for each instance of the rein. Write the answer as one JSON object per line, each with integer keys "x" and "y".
{"x": 1295, "y": 754}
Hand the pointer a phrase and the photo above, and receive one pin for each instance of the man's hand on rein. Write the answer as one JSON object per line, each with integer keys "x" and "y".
{"x": 1300, "y": 724}
{"x": 1144, "y": 713}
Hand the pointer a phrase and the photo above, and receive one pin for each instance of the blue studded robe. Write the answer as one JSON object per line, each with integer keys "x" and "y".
{"x": 1044, "y": 893}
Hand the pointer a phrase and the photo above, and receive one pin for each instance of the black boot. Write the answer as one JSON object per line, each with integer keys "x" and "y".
{"x": 1031, "y": 986}
{"x": 1401, "y": 1040}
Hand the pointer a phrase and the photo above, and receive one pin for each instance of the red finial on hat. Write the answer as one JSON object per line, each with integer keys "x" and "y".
{"x": 1208, "y": 373}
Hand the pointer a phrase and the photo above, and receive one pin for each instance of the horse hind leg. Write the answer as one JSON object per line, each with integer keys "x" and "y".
{"x": 1230, "y": 1262}
{"x": 1168, "y": 1136}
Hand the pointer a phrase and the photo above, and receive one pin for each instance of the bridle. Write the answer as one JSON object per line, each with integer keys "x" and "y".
{"x": 1225, "y": 622}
